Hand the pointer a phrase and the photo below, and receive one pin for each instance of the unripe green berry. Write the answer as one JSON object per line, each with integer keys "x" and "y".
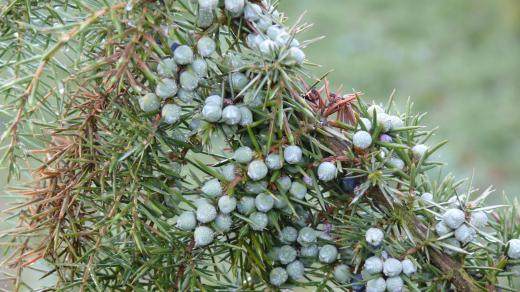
{"x": 243, "y": 155}
{"x": 166, "y": 88}
{"x": 296, "y": 270}
{"x": 149, "y": 102}
{"x": 310, "y": 251}
{"x": 189, "y": 80}
{"x": 327, "y": 171}
{"x": 206, "y": 46}
{"x": 231, "y": 115}
{"x": 284, "y": 183}
{"x": 183, "y": 55}
{"x": 513, "y": 251}
{"x": 288, "y": 234}
{"x": 257, "y": 170}
{"x": 373, "y": 265}
{"x": 246, "y": 205}
{"x": 362, "y": 140}
{"x": 256, "y": 187}
{"x": 278, "y": 276}
{"x": 223, "y": 222}
{"x": 409, "y": 267}
{"x": 212, "y": 112}
{"x": 307, "y": 236}
{"x": 205, "y": 17}
{"x": 246, "y": 116}
{"x": 286, "y": 254}
{"x": 392, "y": 267}
{"x": 167, "y": 68}
{"x": 259, "y": 221}
{"x": 206, "y": 213}
{"x": 376, "y": 285}
{"x": 212, "y": 188}
{"x": 171, "y": 113}
{"x": 186, "y": 221}
{"x": 374, "y": 236}
{"x": 453, "y": 218}
{"x": 328, "y": 254}
{"x": 264, "y": 202}
{"x": 273, "y": 161}
{"x": 203, "y": 236}
{"x": 342, "y": 273}
{"x": 298, "y": 190}
{"x": 238, "y": 81}
{"x": 227, "y": 204}
{"x": 394, "y": 284}
{"x": 419, "y": 150}
{"x": 280, "y": 202}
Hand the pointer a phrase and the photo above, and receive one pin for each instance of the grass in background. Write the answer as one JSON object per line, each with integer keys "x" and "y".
{"x": 458, "y": 60}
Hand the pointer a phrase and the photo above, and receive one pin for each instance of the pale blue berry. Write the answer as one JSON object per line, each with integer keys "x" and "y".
{"x": 453, "y": 218}
{"x": 252, "y": 12}
{"x": 284, "y": 183}
{"x": 397, "y": 163}
{"x": 298, "y": 190}
{"x": 259, "y": 221}
{"x": 409, "y": 267}
{"x": 465, "y": 234}
{"x": 246, "y": 116}
{"x": 394, "y": 284}
{"x": 479, "y": 219}
{"x": 419, "y": 150}
{"x": 392, "y": 267}
{"x": 295, "y": 56}
{"x": 376, "y": 285}
{"x": 296, "y": 270}
{"x": 342, "y": 273}
{"x": 206, "y": 46}
{"x": 253, "y": 100}
{"x": 228, "y": 172}
{"x": 280, "y": 202}
{"x": 243, "y": 155}
{"x": 166, "y": 88}
{"x": 278, "y": 276}
{"x": 257, "y": 170}
{"x": 273, "y": 161}
{"x": 273, "y": 254}
{"x": 442, "y": 229}
{"x": 238, "y": 81}
{"x": 427, "y": 197}
{"x": 362, "y": 140}
{"x": 264, "y": 202}
{"x": 246, "y": 205}
{"x": 203, "y": 236}
{"x": 256, "y": 187}
{"x": 214, "y": 99}
{"x": 385, "y": 121}
{"x": 283, "y": 39}
{"x": 171, "y": 113}
{"x": 186, "y": 96}
{"x": 253, "y": 40}
{"x": 365, "y": 122}
{"x": 310, "y": 251}
{"x": 273, "y": 31}
{"x": 375, "y": 109}
{"x": 149, "y": 102}
{"x": 212, "y": 188}
{"x": 212, "y": 112}
{"x": 328, "y": 254}
{"x": 263, "y": 23}
{"x": 205, "y": 17}
{"x": 513, "y": 251}
{"x": 227, "y": 204}
{"x": 292, "y": 154}
{"x": 223, "y": 222}
{"x": 373, "y": 265}
{"x": 183, "y": 55}
{"x": 189, "y": 80}
{"x": 186, "y": 221}
{"x": 234, "y": 7}
{"x": 267, "y": 48}
{"x": 288, "y": 234}
{"x": 286, "y": 254}
{"x": 231, "y": 115}
{"x": 327, "y": 171}
{"x": 167, "y": 68}
{"x": 374, "y": 236}
{"x": 195, "y": 124}
{"x": 200, "y": 67}
{"x": 206, "y": 213}
{"x": 307, "y": 236}
{"x": 212, "y": 4}
{"x": 396, "y": 122}
{"x": 201, "y": 201}
{"x": 453, "y": 242}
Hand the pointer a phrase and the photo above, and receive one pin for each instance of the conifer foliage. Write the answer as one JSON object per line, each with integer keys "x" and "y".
{"x": 187, "y": 145}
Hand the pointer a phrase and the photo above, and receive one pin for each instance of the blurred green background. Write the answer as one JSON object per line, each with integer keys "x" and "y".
{"x": 458, "y": 60}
